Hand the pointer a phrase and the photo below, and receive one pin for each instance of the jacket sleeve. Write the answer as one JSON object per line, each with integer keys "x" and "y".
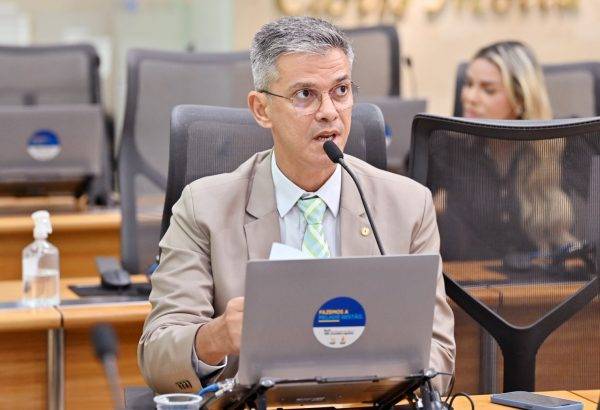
{"x": 426, "y": 239}
{"x": 182, "y": 301}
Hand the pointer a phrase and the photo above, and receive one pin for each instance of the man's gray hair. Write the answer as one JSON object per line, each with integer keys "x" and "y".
{"x": 292, "y": 35}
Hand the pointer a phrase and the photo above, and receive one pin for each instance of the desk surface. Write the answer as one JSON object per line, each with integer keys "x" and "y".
{"x": 483, "y": 402}
{"x": 141, "y": 398}
{"x": 18, "y": 318}
{"x": 467, "y": 270}
{"x": 591, "y": 395}
{"x": 128, "y": 317}
{"x": 23, "y": 319}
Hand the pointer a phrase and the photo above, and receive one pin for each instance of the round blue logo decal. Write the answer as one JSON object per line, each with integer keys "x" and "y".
{"x": 339, "y": 322}
{"x": 44, "y": 145}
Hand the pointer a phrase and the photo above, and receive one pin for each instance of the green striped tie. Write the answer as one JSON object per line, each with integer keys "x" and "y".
{"x": 314, "y": 243}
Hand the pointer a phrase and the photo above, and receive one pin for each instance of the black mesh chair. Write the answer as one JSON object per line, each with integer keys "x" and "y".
{"x": 212, "y": 140}
{"x": 574, "y": 89}
{"x": 157, "y": 81}
{"x": 518, "y": 206}
{"x": 65, "y": 74}
{"x": 376, "y": 67}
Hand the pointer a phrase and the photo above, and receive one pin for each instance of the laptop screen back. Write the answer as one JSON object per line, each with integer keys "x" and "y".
{"x": 338, "y": 317}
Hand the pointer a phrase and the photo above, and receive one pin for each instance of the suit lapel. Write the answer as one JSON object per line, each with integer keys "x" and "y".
{"x": 355, "y": 232}
{"x": 263, "y": 227}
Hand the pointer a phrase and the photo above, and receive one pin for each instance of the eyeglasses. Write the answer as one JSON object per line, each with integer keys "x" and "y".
{"x": 307, "y": 101}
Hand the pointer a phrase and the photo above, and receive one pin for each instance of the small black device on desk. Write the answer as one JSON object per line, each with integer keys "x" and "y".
{"x": 533, "y": 401}
{"x": 112, "y": 274}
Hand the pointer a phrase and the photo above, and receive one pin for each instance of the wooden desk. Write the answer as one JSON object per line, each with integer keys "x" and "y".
{"x": 82, "y": 372}
{"x": 465, "y": 271}
{"x": 483, "y": 402}
{"x": 591, "y": 395}
{"x": 82, "y": 369}
{"x": 523, "y": 305}
{"x": 80, "y": 237}
{"x": 24, "y": 344}
{"x": 26, "y": 355}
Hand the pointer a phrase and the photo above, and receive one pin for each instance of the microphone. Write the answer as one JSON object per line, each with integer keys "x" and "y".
{"x": 105, "y": 344}
{"x": 336, "y": 156}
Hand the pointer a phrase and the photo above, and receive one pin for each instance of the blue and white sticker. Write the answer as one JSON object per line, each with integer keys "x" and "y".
{"x": 339, "y": 322}
{"x": 43, "y": 145}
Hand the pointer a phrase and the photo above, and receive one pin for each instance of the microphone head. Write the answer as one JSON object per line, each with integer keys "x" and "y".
{"x": 333, "y": 151}
{"x": 104, "y": 340}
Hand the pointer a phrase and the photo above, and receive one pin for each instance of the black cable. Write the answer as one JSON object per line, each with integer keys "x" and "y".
{"x": 452, "y": 380}
{"x": 462, "y": 394}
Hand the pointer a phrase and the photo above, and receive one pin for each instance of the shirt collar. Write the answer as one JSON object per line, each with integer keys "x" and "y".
{"x": 287, "y": 193}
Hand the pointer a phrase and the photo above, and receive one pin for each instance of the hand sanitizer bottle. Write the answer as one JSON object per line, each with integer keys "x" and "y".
{"x": 41, "y": 266}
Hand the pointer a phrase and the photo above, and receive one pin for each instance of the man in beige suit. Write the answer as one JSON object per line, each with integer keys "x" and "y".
{"x": 304, "y": 94}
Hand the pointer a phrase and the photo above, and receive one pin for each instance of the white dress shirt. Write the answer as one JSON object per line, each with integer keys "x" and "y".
{"x": 292, "y": 225}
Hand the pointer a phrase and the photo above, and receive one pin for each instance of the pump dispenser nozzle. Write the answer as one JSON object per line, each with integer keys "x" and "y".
{"x": 43, "y": 227}
{"x": 41, "y": 266}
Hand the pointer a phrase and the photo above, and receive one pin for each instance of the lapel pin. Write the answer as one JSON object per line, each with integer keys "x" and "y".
{"x": 365, "y": 231}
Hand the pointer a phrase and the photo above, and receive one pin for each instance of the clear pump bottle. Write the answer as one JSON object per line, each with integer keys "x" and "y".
{"x": 41, "y": 266}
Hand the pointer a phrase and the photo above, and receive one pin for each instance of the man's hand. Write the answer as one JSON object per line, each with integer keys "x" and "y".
{"x": 223, "y": 335}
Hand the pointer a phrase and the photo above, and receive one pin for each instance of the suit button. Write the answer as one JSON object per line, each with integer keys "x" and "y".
{"x": 365, "y": 231}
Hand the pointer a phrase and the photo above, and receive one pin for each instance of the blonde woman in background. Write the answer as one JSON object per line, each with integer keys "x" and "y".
{"x": 515, "y": 202}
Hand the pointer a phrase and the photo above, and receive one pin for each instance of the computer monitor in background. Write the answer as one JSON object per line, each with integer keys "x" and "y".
{"x": 398, "y": 115}
{"x": 58, "y": 149}
{"x": 571, "y": 93}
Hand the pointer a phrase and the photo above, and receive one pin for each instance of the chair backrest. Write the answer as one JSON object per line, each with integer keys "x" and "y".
{"x": 55, "y": 74}
{"x": 212, "y": 140}
{"x": 376, "y": 67}
{"x": 157, "y": 81}
{"x": 573, "y": 88}
{"x": 517, "y": 207}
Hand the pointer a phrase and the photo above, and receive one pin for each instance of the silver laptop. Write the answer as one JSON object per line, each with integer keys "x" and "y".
{"x": 60, "y": 144}
{"x": 398, "y": 115}
{"x": 366, "y": 318}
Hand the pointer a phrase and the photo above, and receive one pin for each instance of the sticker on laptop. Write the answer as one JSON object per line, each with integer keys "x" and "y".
{"x": 43, "y": 145}
{"x": 339, "y": 322}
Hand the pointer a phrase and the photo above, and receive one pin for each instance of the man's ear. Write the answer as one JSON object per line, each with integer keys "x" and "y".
{"x": 257, "y": 102}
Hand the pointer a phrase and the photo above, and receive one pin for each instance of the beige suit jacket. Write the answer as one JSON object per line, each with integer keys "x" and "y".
{"x": 222, "y": 221}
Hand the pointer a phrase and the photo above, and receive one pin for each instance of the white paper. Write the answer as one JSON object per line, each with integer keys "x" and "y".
{"x": 280, "y": 251}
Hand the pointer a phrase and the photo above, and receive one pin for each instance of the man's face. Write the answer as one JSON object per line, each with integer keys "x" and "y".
{"x": 298, "y": 133}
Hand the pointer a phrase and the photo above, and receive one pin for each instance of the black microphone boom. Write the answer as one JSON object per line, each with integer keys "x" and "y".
{"x": 105, "y": 345}
{"x": 336, "y": 156}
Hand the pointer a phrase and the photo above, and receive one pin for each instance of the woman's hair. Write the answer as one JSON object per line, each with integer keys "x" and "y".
{"x": 546, "y": 211}
{"x": 522, "y": 77}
